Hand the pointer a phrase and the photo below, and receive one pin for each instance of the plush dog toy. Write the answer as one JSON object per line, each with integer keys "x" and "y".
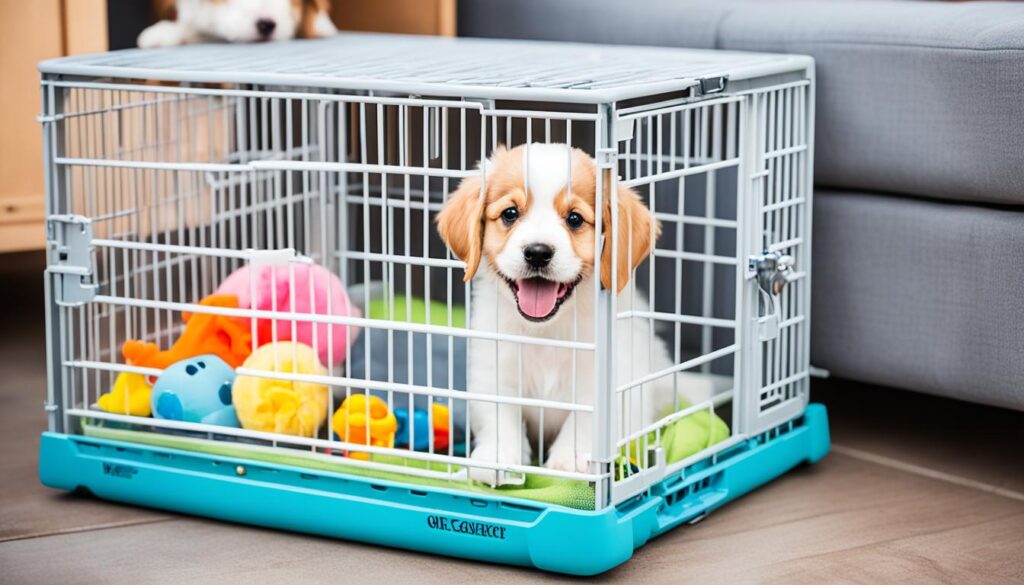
{"x": 198, "y": 390}
{"x": 226, "y": 337}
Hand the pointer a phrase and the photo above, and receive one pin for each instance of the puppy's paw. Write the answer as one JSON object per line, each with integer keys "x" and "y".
{"x": 494, "y": 477}
{"x": 491, "y": 454}
{"x": 564, "y": 460}
{"x": 323, "y": 27}
{"x": 165, "y": 33}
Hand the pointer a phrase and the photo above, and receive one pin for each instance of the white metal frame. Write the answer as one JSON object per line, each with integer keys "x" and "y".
{"x": 344, "y": 166}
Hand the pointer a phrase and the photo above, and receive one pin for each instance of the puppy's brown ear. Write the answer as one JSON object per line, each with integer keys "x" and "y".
{"x": 315, "y": 19}
{"x": 461, "y": 224}
{"x": 638, "y": 230}
{"x": 164, "y": 10}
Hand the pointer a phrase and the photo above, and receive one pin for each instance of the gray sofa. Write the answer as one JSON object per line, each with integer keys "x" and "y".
{"x": 919, "y": 209}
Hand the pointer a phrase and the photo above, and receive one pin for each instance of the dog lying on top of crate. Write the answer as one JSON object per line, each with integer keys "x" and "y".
{"x": 529, "y": 241}
{"x": 237, "y": 21}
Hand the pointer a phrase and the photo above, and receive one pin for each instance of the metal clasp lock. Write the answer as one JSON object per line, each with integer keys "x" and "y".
{"x": 710, "y": 85}
{"x": 772, "y": 272}
{"x": 71, "y": 259}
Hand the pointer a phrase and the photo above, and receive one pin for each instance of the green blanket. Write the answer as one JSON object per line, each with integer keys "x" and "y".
{"x": 416, "y": 312}
{"x": 682, "y": 439}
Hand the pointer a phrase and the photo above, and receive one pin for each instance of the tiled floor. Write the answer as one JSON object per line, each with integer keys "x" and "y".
{"x": 917, "y": 489}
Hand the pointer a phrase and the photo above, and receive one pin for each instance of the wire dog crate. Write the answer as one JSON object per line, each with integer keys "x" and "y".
{"x": 315, "y": 170}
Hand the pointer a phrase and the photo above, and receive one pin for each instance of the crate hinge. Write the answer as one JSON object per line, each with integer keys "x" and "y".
{"x": 606, "y": 158}
{"x": 71, "y": 262}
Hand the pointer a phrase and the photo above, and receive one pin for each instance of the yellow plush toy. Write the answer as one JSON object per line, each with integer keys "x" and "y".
{"x": 281, "y": 406}
{"x": 130, "y": 395}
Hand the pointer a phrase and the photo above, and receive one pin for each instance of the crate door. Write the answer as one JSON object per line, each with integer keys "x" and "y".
{"x": 685, "y": 161}
{"x": 777, "y": 291}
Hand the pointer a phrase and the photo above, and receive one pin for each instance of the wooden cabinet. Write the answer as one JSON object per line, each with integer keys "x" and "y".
{"x": 31, "y": 31}
{"x": 425, "y": 17}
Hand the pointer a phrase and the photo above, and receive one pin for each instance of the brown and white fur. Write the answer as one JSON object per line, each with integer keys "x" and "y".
{"x": 498, "y": 258}
{"x": 238, "y": 21}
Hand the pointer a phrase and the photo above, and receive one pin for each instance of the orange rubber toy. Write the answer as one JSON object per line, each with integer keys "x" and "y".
{"x": 365, "y": 420}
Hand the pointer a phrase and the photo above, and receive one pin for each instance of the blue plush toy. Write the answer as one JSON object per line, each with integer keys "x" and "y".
{"x": 198, "y": 390}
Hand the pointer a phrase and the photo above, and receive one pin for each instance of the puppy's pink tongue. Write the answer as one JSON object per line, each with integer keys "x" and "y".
{"x": 537, "y": 297}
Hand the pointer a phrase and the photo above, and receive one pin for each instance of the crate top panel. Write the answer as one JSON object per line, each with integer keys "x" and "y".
{"x": 435, "y": 66}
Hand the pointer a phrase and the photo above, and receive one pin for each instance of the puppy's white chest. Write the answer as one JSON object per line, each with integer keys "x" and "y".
{"x": 550, "y": 373}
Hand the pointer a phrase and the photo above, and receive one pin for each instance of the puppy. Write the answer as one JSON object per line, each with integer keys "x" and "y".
{"x": 529, "y": 245}
{"x": 238, "y": 21}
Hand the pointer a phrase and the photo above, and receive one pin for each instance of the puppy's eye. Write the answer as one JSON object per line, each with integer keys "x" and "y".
{"x": 574, "y": 220}
{"x": 510, "y": 215}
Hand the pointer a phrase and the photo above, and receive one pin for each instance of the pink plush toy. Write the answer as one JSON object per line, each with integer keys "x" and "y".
{"x": 268, "y": 288}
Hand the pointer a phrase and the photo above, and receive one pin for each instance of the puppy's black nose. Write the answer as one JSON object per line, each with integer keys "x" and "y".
{"x": 265, "y": 27}
{"x": 538, "y": 255}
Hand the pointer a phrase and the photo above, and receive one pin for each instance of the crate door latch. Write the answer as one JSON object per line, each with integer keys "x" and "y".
{"x": 771, "y": 271}
{"x": 69, "y": 238}
{"x": 711, "y": 85}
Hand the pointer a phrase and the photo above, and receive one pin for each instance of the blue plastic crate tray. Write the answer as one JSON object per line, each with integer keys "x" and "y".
{"x": 435, "y": 520}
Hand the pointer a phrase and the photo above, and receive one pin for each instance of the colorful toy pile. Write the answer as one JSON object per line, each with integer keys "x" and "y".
{"x": 198, "y": 382}
{"x": 231, "y": 371}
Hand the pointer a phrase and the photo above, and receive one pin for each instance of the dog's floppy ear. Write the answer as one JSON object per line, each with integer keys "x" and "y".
{"x": 164, "y": 10}
{"x": 461, "y": 224}
{"x": 315, "y": 20}
{"x": 634, "y": 240}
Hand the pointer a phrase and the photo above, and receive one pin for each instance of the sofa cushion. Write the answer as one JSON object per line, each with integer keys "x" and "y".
{"x": 913, "y": 97}
{"x": 679, "y": 23}
{"x": 917, "y": 98}
{"x": 922, "y": 295}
